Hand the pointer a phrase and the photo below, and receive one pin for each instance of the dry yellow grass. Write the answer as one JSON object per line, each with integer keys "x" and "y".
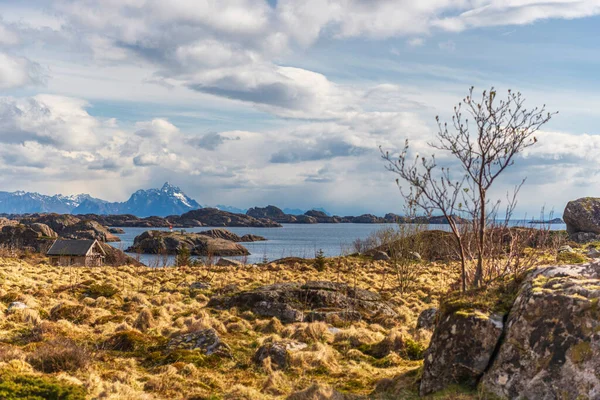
{"x": 96, "y": 307}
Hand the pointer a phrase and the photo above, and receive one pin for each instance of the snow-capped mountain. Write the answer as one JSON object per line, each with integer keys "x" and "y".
{"x": 21, "y": 202}
{"x": 168, "y": 200}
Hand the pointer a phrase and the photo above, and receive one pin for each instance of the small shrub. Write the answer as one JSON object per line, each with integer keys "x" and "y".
{"x": 59, "y": 355}
{"x": 127, "y": 341}
{"x": 101, "y": 290}
{"x": 72, "y": 312}
{"x": 31, "y": 387}
{"x": 320, "y": 263}
{"x": 413, "y": 350}
{"x": 184, "y": 258}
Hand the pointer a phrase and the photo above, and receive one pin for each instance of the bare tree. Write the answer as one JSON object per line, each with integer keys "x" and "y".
{"x": 484, "y": 147}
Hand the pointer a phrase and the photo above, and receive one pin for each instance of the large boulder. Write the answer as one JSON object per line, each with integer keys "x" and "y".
{"x": 583, "y": 216}
{"x": 427, "y": 318}
{"x": 57, "y": 222}
{"x": 70, "y": 227}
{"x": 461, "y": 348}
{"x": 44, "y": 230}
{"x": 293, "y": 302}
{"x": 158, "y": 242}
{"x": 278, "y": 351}
{"x": 552, "y": 344}
{"x": 548, "y": 347}
{"x": 24, "y": 237}
{"x": 89, "y": 230}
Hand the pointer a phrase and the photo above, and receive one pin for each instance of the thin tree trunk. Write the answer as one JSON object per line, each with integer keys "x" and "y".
{"x": 480, "y": 241}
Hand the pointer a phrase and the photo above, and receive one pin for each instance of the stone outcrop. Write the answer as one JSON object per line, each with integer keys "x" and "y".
{"x": 582, "y": 217}
{"x": 127, "y": 220}
{"x": 43, "y": 229}
{"x": 206, "y": 341}
{"x": 273, "y": 213}
{"x": 159, "y": 242}
{"x": 25, "y": 237}
{"x": 427, "y": 318}
{"x": 227, "y": 235}
{"x": 227, "y": 262}
{"x": 71, "y": 227}
{"x": 215, "y": 217}
{"x": 279, "y": 352}
{"x": 547, "y": 348}
{"x": 294, "y": 302}
{"x": 88, "y": 230}
{"x": 461, "y": 349}
{"x": 552, "y": 344}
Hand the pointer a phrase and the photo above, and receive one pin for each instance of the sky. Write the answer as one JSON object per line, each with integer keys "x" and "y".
{"x": 287, "y": 102}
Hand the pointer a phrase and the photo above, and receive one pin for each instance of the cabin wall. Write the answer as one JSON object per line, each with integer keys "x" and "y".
{"x": 88, "y": 261}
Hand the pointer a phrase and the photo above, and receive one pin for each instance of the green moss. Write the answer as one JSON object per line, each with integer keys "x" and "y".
{"x": 570, "y": 258}
{"x": 101, "y": 290}
{"x": 581, "y": 352}
{"x": 31, "y": 387}
{"x": 413, "y": 350}
{"x": 482, "y": 302}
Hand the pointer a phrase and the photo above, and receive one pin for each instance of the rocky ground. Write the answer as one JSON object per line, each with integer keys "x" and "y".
{"x": 338, "y": 329}
{"x": 141, "y": 333}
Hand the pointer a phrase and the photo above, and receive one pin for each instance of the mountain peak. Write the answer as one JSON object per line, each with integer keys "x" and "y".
{"x": 167, "y": 186}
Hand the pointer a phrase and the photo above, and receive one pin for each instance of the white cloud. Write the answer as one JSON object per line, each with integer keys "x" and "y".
{"x": 8, "y": 37}
{"x": 18, "y": 71}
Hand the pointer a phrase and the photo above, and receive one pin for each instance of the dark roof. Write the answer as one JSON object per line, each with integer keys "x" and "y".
{"x": 70, "y": 247}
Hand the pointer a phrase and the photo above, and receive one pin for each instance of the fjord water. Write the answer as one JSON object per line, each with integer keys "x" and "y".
{"x": 291, "y": 240}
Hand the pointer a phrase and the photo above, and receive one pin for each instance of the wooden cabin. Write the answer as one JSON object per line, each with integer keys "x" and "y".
{"x": 87, "y": 253}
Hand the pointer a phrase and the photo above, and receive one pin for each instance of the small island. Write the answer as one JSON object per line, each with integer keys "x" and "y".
{"x": 552, "y": 221}
{"x": 215, "y": 242}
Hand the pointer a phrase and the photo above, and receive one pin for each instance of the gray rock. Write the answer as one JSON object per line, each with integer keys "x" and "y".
{"x": 427, "y": 318}
{"x": 199, "y": 285}
{"x": 278, "y": 352}
{"x": 380, "y": 256}
{"x": 44, "y": 230}
{"x": 228, "y": 262}
{"x": 565, "y": 249}
{"x": 206, "y": 340}
{"x": 332, "y": 316}
{"x": 584, "y": 237}
{"x": 552, "y": 345}
{"x": 461, "y": 348}
{"x": 290, "y": 301}
{"x": 593, "y": 253}
{"x": 582, "y": 215}
{"x": 413, "y": 255}
{"x": 16, "y": 305}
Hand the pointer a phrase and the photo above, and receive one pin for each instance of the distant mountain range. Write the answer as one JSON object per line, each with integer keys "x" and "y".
{"x": 168, "y": 200}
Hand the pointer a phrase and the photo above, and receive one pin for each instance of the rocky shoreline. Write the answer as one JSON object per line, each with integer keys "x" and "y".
{"x": 257, "y": 217}
{"x": 215, "y": 242}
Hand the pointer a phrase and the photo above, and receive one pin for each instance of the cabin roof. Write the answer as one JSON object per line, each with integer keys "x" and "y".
{"x": 71, "y": 247}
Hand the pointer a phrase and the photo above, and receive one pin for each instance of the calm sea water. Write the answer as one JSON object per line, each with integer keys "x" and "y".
{"x": 291, "y": 240}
